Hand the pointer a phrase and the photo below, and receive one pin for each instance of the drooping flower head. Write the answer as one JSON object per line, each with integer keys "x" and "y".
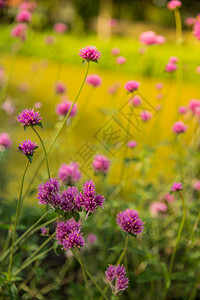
{"x": 94, "y": 80}
{"x": 157, "y": 207}
{"x": 130, "y": 222}
{"x": 20, "y": 31}
{"x": 69, "y": 199}
{"x": 117, "y": 278}
{"x": 90, "y": 53}
{"x": 177, "y": 186}
{"x": 101, "y": 164}
{"x": 27, "y": 148}
{"x": 69, "y": 174}
{"x": 131, "y": 85}
{"x": 29, "y": 117}
{"x": 121, "y": 60}
{"x": 63, "y": 108}
{"x": 24, "y": 16}
{"x": 5, "y": 141}
{"x": 179, "y": 127}
{"x": 174, "y": 4}
{"x": 48, "y": 192}
{"x": 145, "y": 115}
{"x": 60, "y": 28}
{"x": 132, "y": 144}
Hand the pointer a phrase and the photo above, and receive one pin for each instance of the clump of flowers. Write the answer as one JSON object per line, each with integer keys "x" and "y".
{"x": 174, "y": 4}
{"x": 5, "y": 141}
{"x": 90, "y": 53}
{"x": 131, "y": 86}
{"x": 63, "y": 108}
{"x": 68, "y": 200}
{"x": 101, "y": 164}
{"x": 179, "y": 127}
{"x": 48, "y": 192}
{"x": 177, "y": 186}
{"x": 29, "y": 117}
{"x": 69, "y": 174}
{"x": 27, "y": 148}
{"x": 94, "y": 80}
{"x": 117, "y": 278}
{"x": 130, "y": 222}
{"x": 151, "y": 38}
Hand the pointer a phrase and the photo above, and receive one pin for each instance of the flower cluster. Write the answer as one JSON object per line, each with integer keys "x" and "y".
{"x": 70, "y": 200}
{"x": 29, "y": 117}
{"x": 151, "y": 38}
{"x": 90, "y": 53}
{"x": 130, "y": 222}
{"x": 101, "y": 164}
{"x": 117, "y": 278}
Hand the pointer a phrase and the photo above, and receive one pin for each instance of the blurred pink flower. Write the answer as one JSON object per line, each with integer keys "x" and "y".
{"x": 189, "y": 22}
{"x": 112, "y": 90}
{"x": 159, "y": 96}
{"x": 24, "y": 87}
{"x": 121, "y": 60}
{"x": 101, "y": 164}
{"x": 170, "y": 67}
{"x": 169, "y": 198}
{"x": 5, "y": 140}
{"x": 132, "y": 144}
{"x": 145, "y": 115}
{"x": 158, "y": 107}
{"x": 60, "y": 87}
{"x": 69, "y": 174}
{"x": 182, "y": 110}
{"x": 8, "y": 106}
{"x": 196, "y": 185}
{"x": 157, "y": 207}
{"x": 179, "y": 127}
{"x": 94, "y": 80}
{"x": 173, "y": 59}
{"x": 31, "y": 6}
{"x": 24, "y": 16}
{"x": 37, "y": 105}
{"x": 151, "y": 38}
{"x": 112, "y": 23}
{"x": 49, "y": 40}
{"x": 91, "y": 239}
{"x": 196, "y": 29}
{"x": 159, "y": 86}
{"x": 63, "y": 108}
{"x": 194, "y": 104}
{"x": 20, "y": 31}
{"x": 160, "y": 40}
{"x": 135, "y": 101}
{"x": 115, "y": 51}
{"x": 131, "y": 85}
{"x": 198, "y": 70}
{"x": 174, "y": 4}
{"x": 60, "y": 27}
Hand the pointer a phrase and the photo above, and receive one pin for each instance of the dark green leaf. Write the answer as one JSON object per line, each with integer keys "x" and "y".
{"x": 76, "y": 216}
{"x": 149, "y": 276}
{"x": 30, "y": 157}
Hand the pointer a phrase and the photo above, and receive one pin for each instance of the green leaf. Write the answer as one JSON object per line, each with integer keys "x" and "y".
{"x": 166, "y": 275}
{"x": 30, "y": 157}
{"x": 76, "y": 216}
{"x": 57, "y": 249}
{"x": 12, "y": 292}
{"x": 182, "y": 276}
{"x": 49, "y": 209}
{"x": 39, "y": 124}
{"x": 149, "y": 276}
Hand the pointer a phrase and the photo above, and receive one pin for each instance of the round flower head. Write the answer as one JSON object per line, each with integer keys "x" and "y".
{"x": 60, "y": 27}
{"x": 8, "y": 106}
{"x": 189, "y": 21}
{"x": 117, "y": 278}
{"x": 169, "y": 198}
{"x": 60, "y": 88}
{"x": 135, "y": 101}
{"x": 157, "y": 207}
{"x": 145, "y": 115}
{"x": 27, "y": 148}
{"x": 193, "y": 105}
{"x": 196, "y": 185}
{"x": 131, "y": 85}
{"x": 173, "y": 59}
{"x": 73, "y": 239}
{"x": 101, "y": 164}
{"x": 115, "y": 51}
{"x": 31, "y": 6}
{"x": 130, "y": 222}
{"x": 112, "y": 23}
{"x": 150, "y": 38}
{"x": 69, "y": 199}
{"x": 196, "y": 29}
{"x": 91, "y": 239}
{"x": 24, "y": 16}
{"x": 69, "y": 174}
{"x": 37, "y": 105}
{"x": 19, "y": 31}
{"x": 179, "y": 127}
{"x": 174, "y": 4}
{"x": 159, "y": 86}
{"x": 198, "y": 70}
{"x": 29, "y": 117}
{"x": 5, "y": 141}
{"x": 182, "y": 110}
{"x": 90, "y": 53}
{"x": 49, "y": 40}
{"x": 160, "y": 40}
{"x": 121, "y": 60}
{"x": 43, "y": 230}
{"x": 170, "y": 67}
{"x": 94, "y": 80}
{"x": 48, "y": 192}
{"x": 63, "y": 108}
{"x": 132, "y": 144}
{"x": 176, "y": 187}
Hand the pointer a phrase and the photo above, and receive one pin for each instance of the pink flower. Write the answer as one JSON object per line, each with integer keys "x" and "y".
{"x": 19, "y": 31}
{"x": 63, "y": 108}
{"x": 182, "y": 110}
{"x": 198, "y": 70}
{"x": 170, "y": 67}
{"x": 145, "y": 115}
{"x": 159, "y": 86}
{"x": 196, "y": 29}
{"x": 24, "y": 87}
{"x": 69, "y": 174}
{"x": 112, "y": 90}
{"x": 8, "y": 106}
{"x": 24, "y": 16}
{"x": 31, "y": 6}
{"x": 37, "y": 105}
{"x": 158, "y": 107}
{"x": 142, "y": 50}
{"x": 112, "y": 23}
{"x": 177, "y": 186}
{"x": 148, "y": 38}
{"x": 94, "y": 80}
{"x": 131, "y": 85}
{"x": 121, "y": 60}
{"x": 101, "y": 164}
{"x": 172, "y": 5}
{"x": 179, "y": 127}
{"x": 90, "y": 53}
{"x": 169, "y": 198}
{"x": 157, "y": 207}
{"x": 160, "y": 40}
{"x": 173, "y": 59}
{"x": 49, "y": 40}
{"x": 60, "y": 27}
{"x": 196, "y": 185}
{"x": 60, "y": 88}
{"x": 115, "y": 51}
{"x": 194, "y": 104}
{"x": 189, "y": 21}
{"x": 159, "y": 96}
{"x": 5, "y": 140}
{"x": 132, "y": 144}
{"x": 135, "y": 101}
{"x": 91, "y": 239}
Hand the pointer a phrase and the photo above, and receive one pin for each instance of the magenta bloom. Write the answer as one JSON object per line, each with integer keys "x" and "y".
{"x": 196, "y": 29}
{"x": 176, "y": 187}
{"x": 112, "y": 90}
{"x": 74, "y": 239}
{"x": 121, "y": 60}
{"x": 130, "y": 222}
{"x": 20, "y": 31}
{"x": 37, "y": 105}
{"x": 170, "y": 67}
{"x": 194, "y": 104}
{"x": 159, "y": 86}
{"x": 115, "y": 51}
{"x": 173, "y": 59}
{"x": 132, "y": 144}
{"x": 63, "y": 108}
{"x": 117, "y": 278}
{"x": 5, "y": 140}
{"x": 94, "y": 80}
{"x": 145, "y": 115}
{"x": 172, "y": 5}
{"x": 64, "y": 228}
{"x": 69, "y": 174}
{"x": 169, "y": 198}
{"x": 158, "y": 207}
{"x": 48, "y": 192}
{"x": 28, "y": 6}
{"x": 24, "y": 16}
{"x": 182, "y": 110}
{"x": 60, "y": 27}
{"x": 189, "y": 22}
{"x": 29, "y": 117}
{"x": 43, "y": 230}
{"x": 148, "y": 38}
{"x": 135, "y": 101}
{"x": 179, "y": 127}
{"x": 131, "y": 85}
{"x": 69, "y": 198}
{"x": 90, "y": 53}
{"x": 101, "y": 164}
{"x": 196, "y": 185}
{"x": 160, "y": 40}
{"x": 60, "y": 87}
{"x": 27, "y": 148}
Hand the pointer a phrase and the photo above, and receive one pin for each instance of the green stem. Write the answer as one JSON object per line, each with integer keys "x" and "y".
{"x": 16, "y": 221}
{"x": 124, "y": 251}
{"x": 45, "y": 153}
{"x": 178, "y": 26}
{"x": 193, "y": 293}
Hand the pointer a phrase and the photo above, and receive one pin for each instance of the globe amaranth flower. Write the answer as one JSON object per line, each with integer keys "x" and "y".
{"x": 182, "y": 110}
{"x": 90, "y": 53}
{"x": 174, "y": 4}
{"x": 24, "y": 16}
{"x": 135, "y": 101}
{"x": 173, "y": 59}
{"x": 121, "y": 60}
{"x": 48, "y": 192}
{"x": 20, "y": 31}
{"x": 179, "y": 127}
{"x": 73, "y": 239}
{"x": 64, "y": 107}
{"x": 69, "y": 174}
{"x": 189, "y": 21}
{"x": 151, "y": 38}
{"x": 69, "y": 199}
{"x": 89, "y": 200}
{"x": 101, "y": 164}
{"x": 132, "y": 144}
{"x": 94, "y": 80}
{"x": 177, "y": 186}
{"x": 44, "y": 230}
{"x": 115, "y": 51}
{"x": 196, "y": 29}
{"x": 130, "y": 222}
{"x": 157, "y": 207}
{"x": 196, "y": 185}
{"x": 171, "y": 67}
{"x": 60, "y": 28}
{"x": 131, "y": 85}
{"x": 5, "y": 140}
{"x": 117, "y": 278}
{"x": 27, "y": 148}
{"x": 145, "y": 115}
{"x": 159, "y": 86}
{"x": 31, "y": 6}
{"x": 60, "y": 88}
{"x": 194, "y": 104}
{"x": 29, "y": 117}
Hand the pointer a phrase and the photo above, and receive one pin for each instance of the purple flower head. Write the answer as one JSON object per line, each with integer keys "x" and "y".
{"x": 27, "y": 148}
{"x": 29, "y": 117}
{"x": 69, "y": 199}
{"x": 117, "y": 278}
{"x": 101, "y": 164}
{"x": 131, "y": 85}
{"x": 48, "y": 192}
{"x": 69, "y": 174}
{"x": 90, "y": 53}
{"x": 5, "y": 141}
{"x": 63, "y": 229}
{"x": 177, "y": 186}
{"x": 196, "y": 29}
{"x": 130, "y": 222}
{"x": 73, "y": 239}
{"x": 145, "y": 115}
{"x": 43, "y": 230}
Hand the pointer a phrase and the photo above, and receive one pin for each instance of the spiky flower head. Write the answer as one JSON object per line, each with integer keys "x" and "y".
{"x": 48, "y": 192}
{"x": 90, "y": 53}
{"x": 27, "y": 148}
{"x": 130, "y": 222}
{"x": 29, "y": 117}
{"x": 117, "y": 278}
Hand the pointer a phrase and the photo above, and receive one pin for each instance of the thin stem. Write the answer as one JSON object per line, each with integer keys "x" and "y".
{"x": 124, "y": 251}
{"x": 193, "y": 293}
{"x": 178, "y": 26}
{"x": 45, "y": 153}
{"x": 16, "y": 220}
